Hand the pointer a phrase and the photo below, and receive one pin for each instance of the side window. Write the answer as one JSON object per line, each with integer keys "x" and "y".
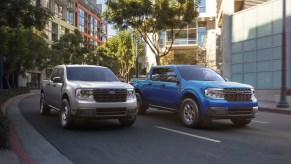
{"x": 157, "y": 74}
{"x": 170, "y": 75}
{"x": 61, "y": 73}
{"x": 54, "y": 74}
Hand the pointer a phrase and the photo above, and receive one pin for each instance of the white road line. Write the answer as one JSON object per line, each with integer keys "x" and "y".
{"x": 260, "y": 122}
{"x": 188, "y": 134}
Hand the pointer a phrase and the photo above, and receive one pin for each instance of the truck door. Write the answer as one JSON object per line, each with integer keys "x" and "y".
{"x": 56, "y": 89}
{"x": 48, "y": 89}
{"x": 162, "y": 91}
{"x": 169, "y": 88}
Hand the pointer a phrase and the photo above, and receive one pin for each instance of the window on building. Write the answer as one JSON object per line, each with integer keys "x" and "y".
{"x": 58, "y": 11}
{"x": 70, "y": 18}
{"x": 54, "y": 31}
{"x": 81, "y": 20}
{"x": 62, "y": 31}
{"x": 201, "y": 32}
{"x": 202, "y": 7}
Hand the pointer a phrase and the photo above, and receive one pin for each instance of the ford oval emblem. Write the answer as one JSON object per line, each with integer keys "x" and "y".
{"x": 111, "y": 92}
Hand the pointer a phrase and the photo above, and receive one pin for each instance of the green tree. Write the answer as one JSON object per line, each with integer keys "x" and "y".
{"x": 120, "y": 49}
{"x": 150, "y": 18}
{"x": 69, "y": 49}
{"x": 22, "y": 14}
{"x": 22, "y": 51}
{"x": 16, "y": 16}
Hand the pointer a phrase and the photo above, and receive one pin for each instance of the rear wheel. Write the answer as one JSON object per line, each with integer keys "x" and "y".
{"x": 140, "y": 106}
{"x": 241, "y": 121}
{"x": 66, "y": 118}
{"x": 44, "y": 108}
{"x": 190, "y": 113}
{"x": 127, "y": 121}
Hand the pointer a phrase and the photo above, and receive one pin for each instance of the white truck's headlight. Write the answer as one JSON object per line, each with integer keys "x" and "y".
{"x": 130, "y": 94}
{"x": 214, "y": 93}
{"x": 84, "y": 94}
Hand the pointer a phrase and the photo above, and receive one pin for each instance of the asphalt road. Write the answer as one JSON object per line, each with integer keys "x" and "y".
{"x": 160, "y": 137}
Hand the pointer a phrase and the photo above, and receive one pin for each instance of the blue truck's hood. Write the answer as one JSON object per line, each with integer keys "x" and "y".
{"x": 219, "y": 84}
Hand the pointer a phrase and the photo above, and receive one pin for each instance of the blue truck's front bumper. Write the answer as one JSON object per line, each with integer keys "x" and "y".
{"x": 225, "y": 109}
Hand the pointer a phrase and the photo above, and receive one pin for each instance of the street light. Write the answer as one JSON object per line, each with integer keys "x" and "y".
{"x": 283, "y": 102}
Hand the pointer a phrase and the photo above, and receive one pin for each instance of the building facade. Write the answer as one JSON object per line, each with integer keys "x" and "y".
{"x": 69, "y": 15}
{"x": 254, "y": 38}
{"x": 199, "y": 37}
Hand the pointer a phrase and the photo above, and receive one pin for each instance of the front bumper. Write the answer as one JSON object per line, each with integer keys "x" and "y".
{"x": 104, "y": 110}
{"x": 222, "y": 112}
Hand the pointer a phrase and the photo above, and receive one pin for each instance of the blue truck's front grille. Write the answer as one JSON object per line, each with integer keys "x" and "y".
{"x": 237, "y": 94}
{"x": 110, "y": 95}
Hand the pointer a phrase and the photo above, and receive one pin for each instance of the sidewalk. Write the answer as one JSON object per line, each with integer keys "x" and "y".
{"x": 27, "y": 151}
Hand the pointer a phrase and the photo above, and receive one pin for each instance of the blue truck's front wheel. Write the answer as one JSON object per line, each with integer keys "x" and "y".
{"x": 190, "y": 114}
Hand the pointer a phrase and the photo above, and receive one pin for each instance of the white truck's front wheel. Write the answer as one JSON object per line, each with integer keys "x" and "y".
{"x": 65, "y": 115}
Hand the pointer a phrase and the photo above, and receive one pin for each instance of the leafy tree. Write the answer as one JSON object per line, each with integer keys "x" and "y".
{"x": 180, "y": 58}
{"x": 22, "y": 51}
{"x": 150, "y": 18}
{"x": 16, "y": 16}
{"x": 69, "y": 49}
{"x": 22, "y": 14}
{"x": 121, "y": 50}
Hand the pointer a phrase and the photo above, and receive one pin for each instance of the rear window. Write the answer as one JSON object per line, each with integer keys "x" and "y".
{"x": 90, "y": 74}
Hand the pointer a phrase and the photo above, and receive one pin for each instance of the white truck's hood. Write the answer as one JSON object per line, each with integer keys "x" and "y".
{"x": 88, "y": 84}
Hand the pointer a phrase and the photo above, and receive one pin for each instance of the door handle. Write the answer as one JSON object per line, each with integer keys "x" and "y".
{"x": 48, "y": 84}
{"x": 163, "y": 85}
{"x": 148, "y": 84}
{"x": 54, "y": 85}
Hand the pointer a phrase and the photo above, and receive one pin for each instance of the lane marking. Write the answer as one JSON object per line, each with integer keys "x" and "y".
{"x": 188, "y": 134}
{"x": 260, "y": 122}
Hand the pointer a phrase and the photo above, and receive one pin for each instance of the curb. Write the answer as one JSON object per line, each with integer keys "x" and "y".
{"x": 279, "y": 111}
{"x": 15, "y": 144}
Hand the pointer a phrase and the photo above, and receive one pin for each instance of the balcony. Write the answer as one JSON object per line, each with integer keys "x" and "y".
{"x": 61, "y": 2}
{"x": 71, "y": 6}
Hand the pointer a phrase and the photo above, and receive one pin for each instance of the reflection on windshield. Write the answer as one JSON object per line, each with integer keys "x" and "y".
{"x": 199, "y": 73}
{"x": 90, "y": 74}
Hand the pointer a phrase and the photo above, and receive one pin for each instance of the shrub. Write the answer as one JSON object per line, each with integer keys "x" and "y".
{"x": 4, "y": 132}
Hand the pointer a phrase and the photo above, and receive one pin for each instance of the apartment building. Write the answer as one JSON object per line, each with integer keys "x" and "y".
{"x": 252, "y": 44}
{"x": 69, "y": 15}
{"x": 199, "y": 37}
{"x": 83, "y": 15}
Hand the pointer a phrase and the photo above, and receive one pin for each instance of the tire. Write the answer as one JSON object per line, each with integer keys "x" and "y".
{"x": 44, "y": 108}
{"x": 141, "y": 110}
{"x": 241, "y": 121}
{"x": 127, "y": 121}
{"x": 66, "y": 118}
{"x": 190, "y": 114}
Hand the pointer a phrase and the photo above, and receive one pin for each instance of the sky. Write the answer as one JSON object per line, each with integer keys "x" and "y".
{"x": 111, "y": 31}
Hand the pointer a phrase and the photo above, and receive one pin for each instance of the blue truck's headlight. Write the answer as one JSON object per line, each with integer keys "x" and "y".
{"x": 253, "y": 93}
{"x": 130, "y": 94}
{"x": 214, "y": 93}
{"x": 84, "y": 94}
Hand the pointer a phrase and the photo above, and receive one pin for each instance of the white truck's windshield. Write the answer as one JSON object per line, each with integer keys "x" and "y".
{"x": 90, "y": 74}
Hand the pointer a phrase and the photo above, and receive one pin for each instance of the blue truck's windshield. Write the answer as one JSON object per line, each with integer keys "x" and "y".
{"x": 199, "y": 73}
{"x": 90, "y": 74}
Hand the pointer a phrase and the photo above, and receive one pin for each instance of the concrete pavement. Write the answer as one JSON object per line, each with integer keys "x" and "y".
{"x": 30, "y": 147}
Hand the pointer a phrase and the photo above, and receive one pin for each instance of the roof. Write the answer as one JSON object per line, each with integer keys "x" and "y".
{"x": 179, "y": 65}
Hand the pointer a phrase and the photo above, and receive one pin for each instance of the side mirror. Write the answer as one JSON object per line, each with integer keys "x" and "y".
{"x": 226, "y": 79}
{"x": 57, "y": 80}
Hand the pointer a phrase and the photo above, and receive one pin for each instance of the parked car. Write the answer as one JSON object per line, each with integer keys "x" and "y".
{"x": 197, "y": 93}
{"x": 87, "y": 92}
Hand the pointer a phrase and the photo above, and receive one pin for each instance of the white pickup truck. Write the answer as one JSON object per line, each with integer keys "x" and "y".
{"x": 87, "y": 92}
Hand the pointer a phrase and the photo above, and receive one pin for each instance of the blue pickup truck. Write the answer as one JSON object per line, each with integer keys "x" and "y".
{"x": 197, "y": 93}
